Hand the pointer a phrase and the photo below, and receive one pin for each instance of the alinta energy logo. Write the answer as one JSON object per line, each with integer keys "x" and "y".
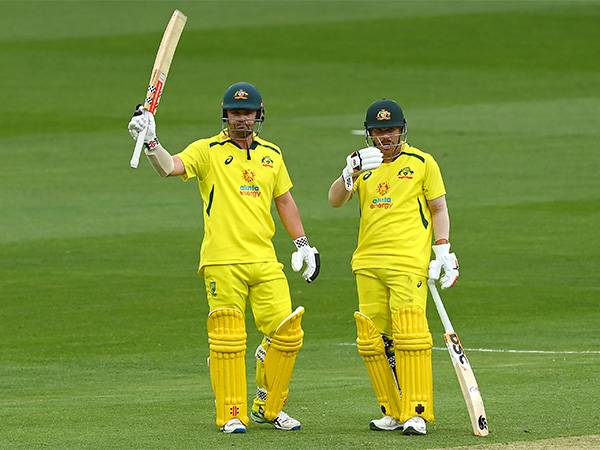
{"x": 267, "y": 161}
{"x": 406, "y": 173}
{"x": 382, "y": 202}
{"x": 249, "y": 189}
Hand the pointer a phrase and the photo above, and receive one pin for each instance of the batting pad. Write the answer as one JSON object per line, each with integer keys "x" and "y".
{"x": 372, "y": 351}
{"x": 413, "y": 342}
{"x": 280, "y": 359}
{"x": 227, "y": 343}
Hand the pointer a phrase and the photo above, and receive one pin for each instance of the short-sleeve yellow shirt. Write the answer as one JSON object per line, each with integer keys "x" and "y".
{"x": 237, "y": 187}
{"x": 395, "y": 220}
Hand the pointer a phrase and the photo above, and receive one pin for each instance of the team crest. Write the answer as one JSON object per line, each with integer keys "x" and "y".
{"x": 383, "y": 188}
{"x": 384, "y": 114}
{"x": 240, "y": 94}
{"x": 407, "y": 172}
{"x": 267, "y": 161}
{"x": 248, "y": 175}
{"x": 213, "y": 288}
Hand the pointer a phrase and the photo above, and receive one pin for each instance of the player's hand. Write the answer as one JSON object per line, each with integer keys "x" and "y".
{"x": 446, "y": 262}
{"x": 141, "y": 120}
{"x": 365, "y": 159}
{"x": 305, "y": 254}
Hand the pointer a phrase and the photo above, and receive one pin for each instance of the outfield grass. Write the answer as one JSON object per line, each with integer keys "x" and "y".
{"x": 102, "y": 319}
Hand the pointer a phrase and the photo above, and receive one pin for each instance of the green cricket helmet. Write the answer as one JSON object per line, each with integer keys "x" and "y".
{"x": 243, "y": 95}
{"x": 384, "y": 113}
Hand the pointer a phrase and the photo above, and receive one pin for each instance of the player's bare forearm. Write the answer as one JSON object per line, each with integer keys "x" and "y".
{"x": 290, "y": 215}
{"x": 338, "y": 195}
{"x": 440, "y": 218}
{"x": 178, "y": 168}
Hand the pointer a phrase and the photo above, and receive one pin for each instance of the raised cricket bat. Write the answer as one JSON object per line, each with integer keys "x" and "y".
{"x": 462, "y": 367}
{"x": 168, "y": 44}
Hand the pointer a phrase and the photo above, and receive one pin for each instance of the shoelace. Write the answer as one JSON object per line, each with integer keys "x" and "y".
{"x": 283, "y": 417}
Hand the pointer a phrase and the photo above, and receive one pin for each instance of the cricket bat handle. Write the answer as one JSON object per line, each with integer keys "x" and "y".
{"x": 137, "y": 151}
{"x": 440, "y": 306}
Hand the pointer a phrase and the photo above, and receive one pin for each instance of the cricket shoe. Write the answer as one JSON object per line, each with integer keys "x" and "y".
{"x": 281, "y": 422}
{"x": 386, "y": 423}
{"x": 415, "y": 425}
{"x": 233, "y": 426}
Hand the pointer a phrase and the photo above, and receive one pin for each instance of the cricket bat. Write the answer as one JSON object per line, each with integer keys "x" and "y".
{"x": 462, "y": 367}
{"x": 160, "y": 70}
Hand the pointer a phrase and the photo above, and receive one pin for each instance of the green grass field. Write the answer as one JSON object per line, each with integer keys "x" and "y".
{"x": 102, "y": 317}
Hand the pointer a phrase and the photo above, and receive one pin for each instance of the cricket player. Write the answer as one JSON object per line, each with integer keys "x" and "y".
{"x": 403, "y": 210}
{"x": 240, "y": 175}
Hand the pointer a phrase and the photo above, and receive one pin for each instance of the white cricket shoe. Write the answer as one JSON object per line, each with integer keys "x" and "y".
{"x": 233, "y": 426}
{"x": 281, "y": 422}
{"x": 415, "y": 425}
{"x": 386, "y": 423}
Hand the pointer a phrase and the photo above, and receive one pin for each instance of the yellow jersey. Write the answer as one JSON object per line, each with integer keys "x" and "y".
{"x": 237, "y": 187}
{"x": 395, "y": 220}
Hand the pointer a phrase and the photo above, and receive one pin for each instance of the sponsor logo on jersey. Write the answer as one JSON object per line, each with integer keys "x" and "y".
{"x": 383, "y": 114}
{"x": 383, "y": 188}
{"x": 248, "y": 175}
{"x": 228, "y": 160}
{"x": 240, "y": 94}
{"x": 406, "y": 173}
{"x": 267, "y": 161}
{"x": 249, "y": 189}
{"x": 383, "y": 201}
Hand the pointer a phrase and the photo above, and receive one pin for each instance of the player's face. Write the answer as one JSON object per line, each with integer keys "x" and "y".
{"x": 240, "y": 122}
{"x": 387, "y": 139}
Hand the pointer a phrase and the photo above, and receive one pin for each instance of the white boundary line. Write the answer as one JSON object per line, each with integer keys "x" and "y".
{"x": 501, "y": 350}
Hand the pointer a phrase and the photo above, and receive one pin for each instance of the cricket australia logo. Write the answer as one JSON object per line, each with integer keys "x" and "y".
{"x": 382, "y": 202}
{"x": 249, "y": 189}
{"x": 240, "y": 94}
{"x": 383, "y": 114}
{"x": 406, "y": 173}
{"x": 212, "y": 287}
{"x": 267, "y": 161}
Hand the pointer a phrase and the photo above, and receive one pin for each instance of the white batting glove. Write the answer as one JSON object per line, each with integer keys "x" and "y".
{"x": 306, "y": 255}
{"x": 446, "y": 261}
{"x": 365, "y": 159}
{"x": 141, "y": 120}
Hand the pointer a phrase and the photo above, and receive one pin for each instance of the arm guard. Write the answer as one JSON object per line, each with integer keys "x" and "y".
{"x": 161, "y": 160}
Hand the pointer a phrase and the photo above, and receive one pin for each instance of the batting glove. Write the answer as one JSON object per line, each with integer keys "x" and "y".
{"x": 446, "y": 261}
{"x": 141, "y": 120}
{"x": 365, "y": 159}
{"x": 305, "y": 254}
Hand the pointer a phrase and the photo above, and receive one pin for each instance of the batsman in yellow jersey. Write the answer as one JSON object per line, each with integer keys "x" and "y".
{"x": 239, "y": 176}
{"x": 403, "y": 209}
